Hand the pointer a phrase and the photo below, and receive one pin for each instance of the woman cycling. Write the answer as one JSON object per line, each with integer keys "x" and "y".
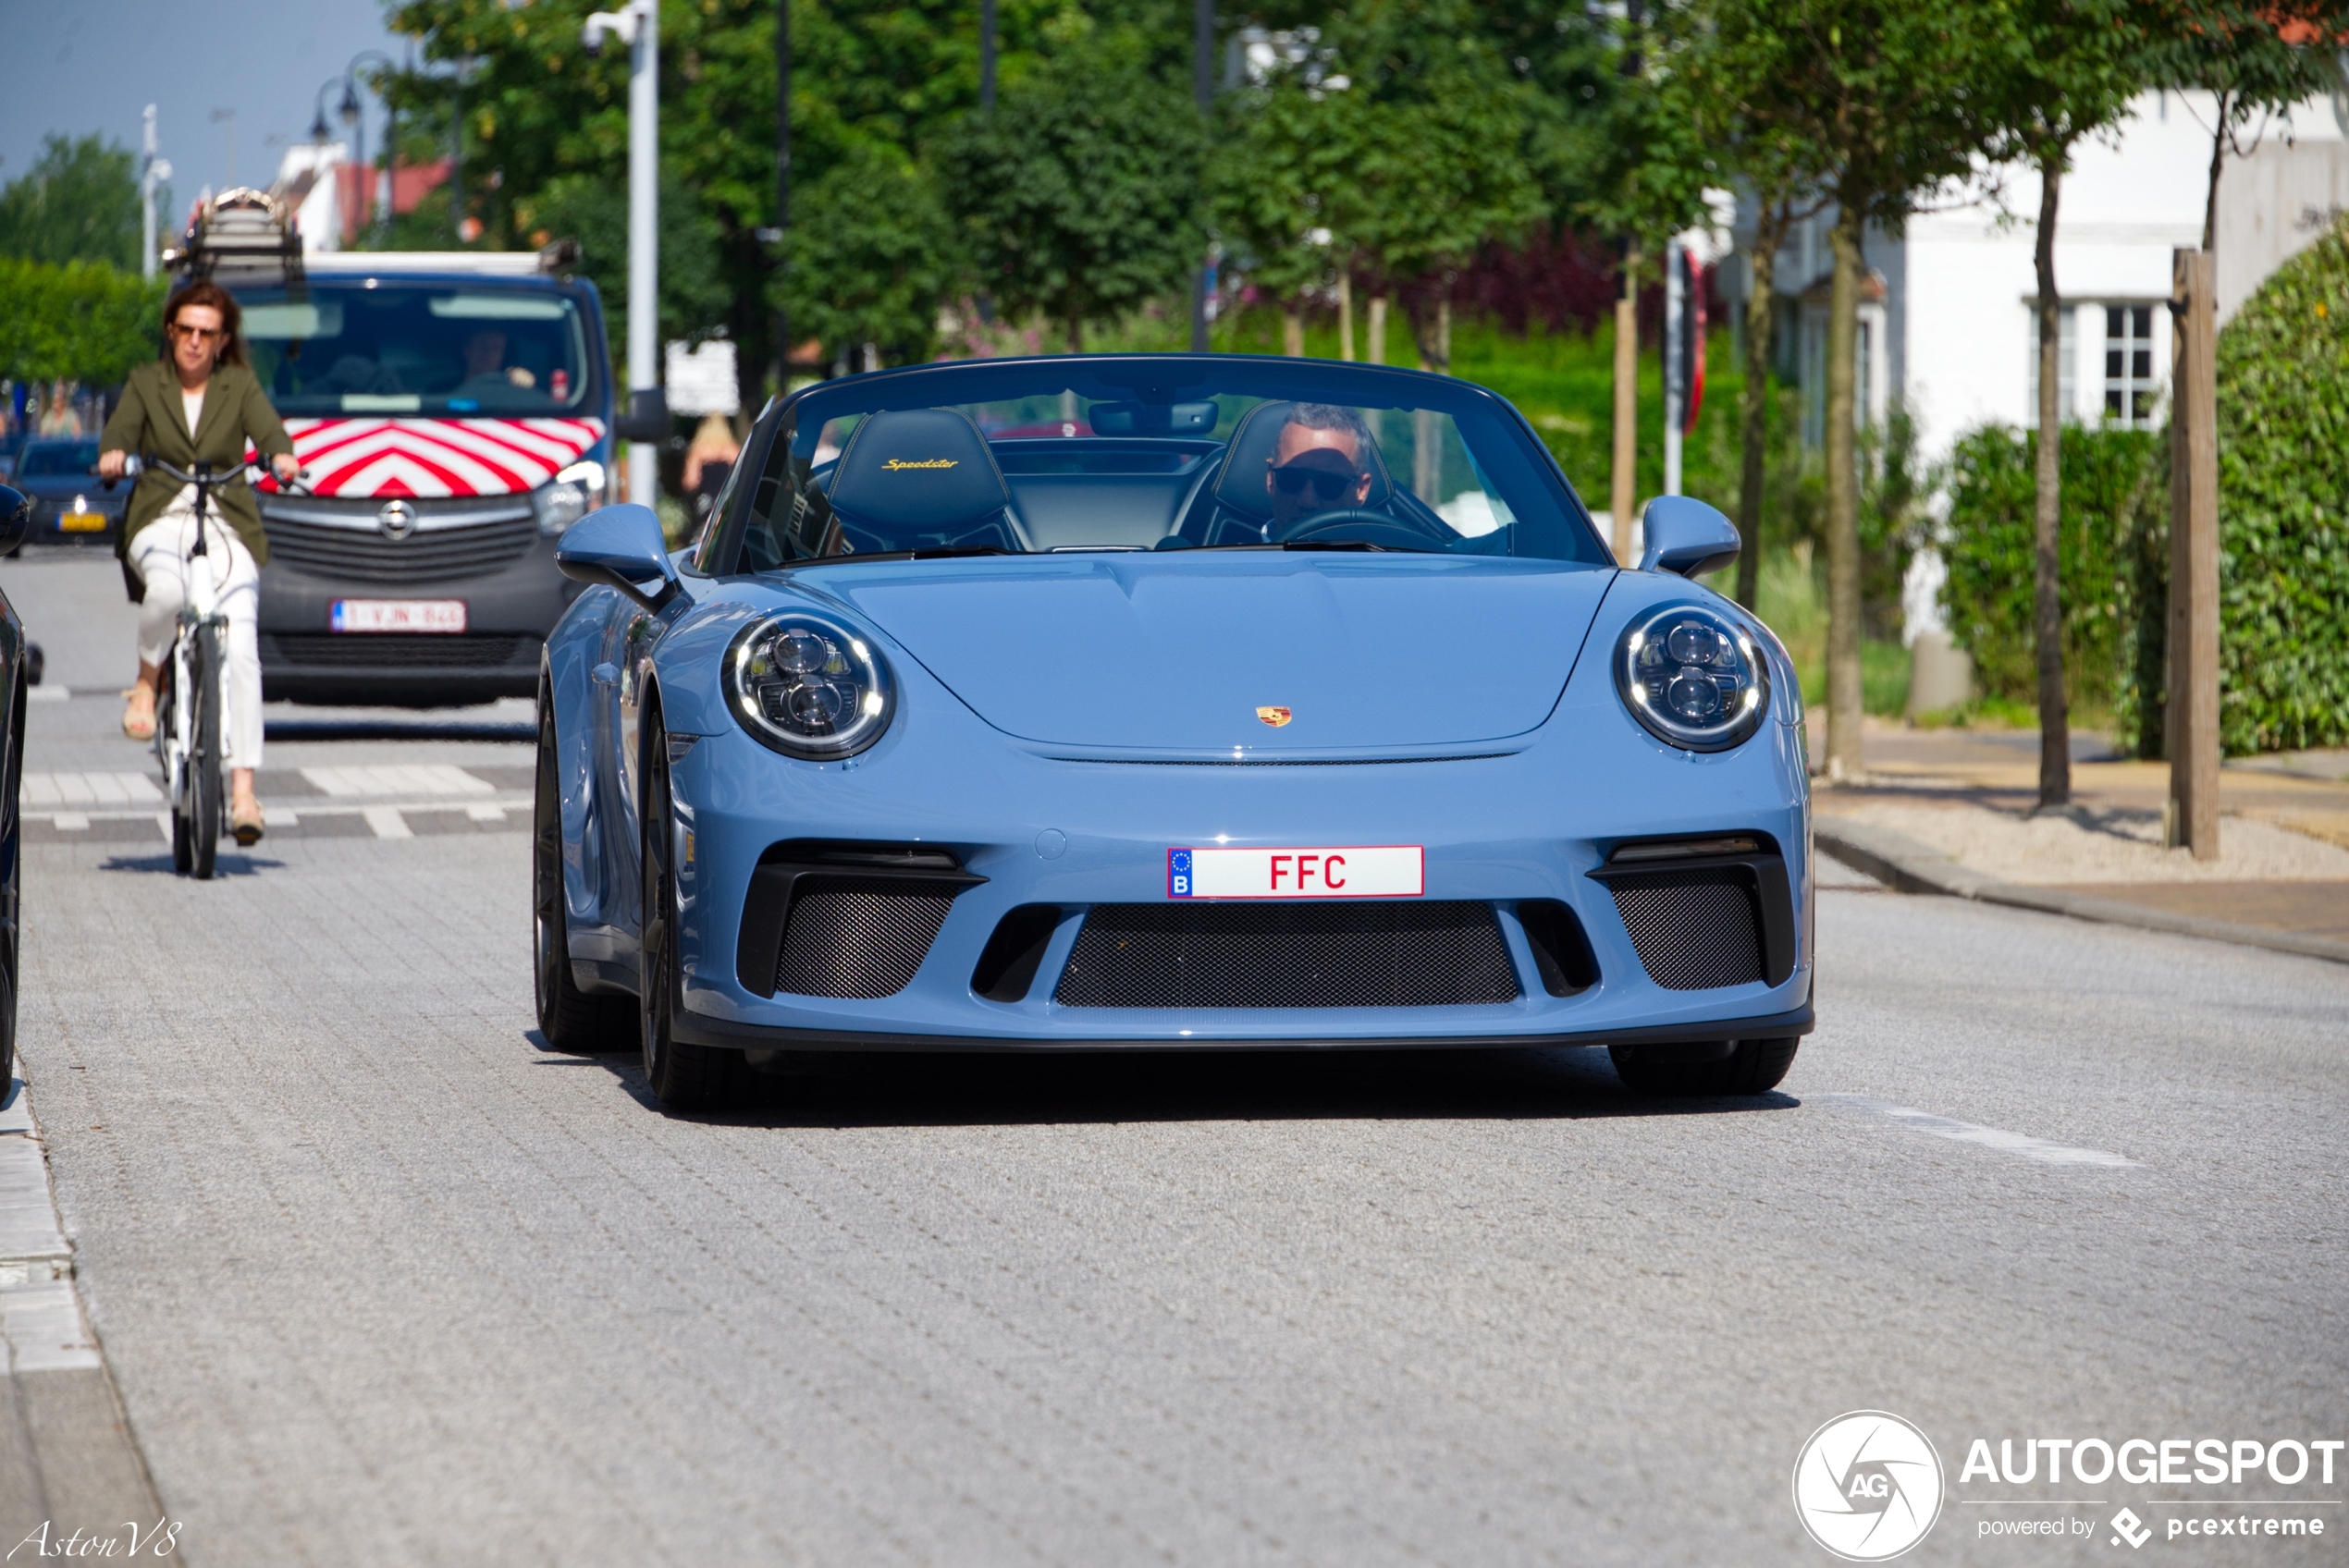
{"x": 199, "y": 404}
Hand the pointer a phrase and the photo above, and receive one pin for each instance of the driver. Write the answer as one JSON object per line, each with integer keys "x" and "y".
{"x": 486, "y": 367}
{"x": 1319, "y": 463}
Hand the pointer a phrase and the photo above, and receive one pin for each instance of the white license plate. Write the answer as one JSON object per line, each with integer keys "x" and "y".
{"x": 398, "y": 615}
{"x": 1378, "y": 871}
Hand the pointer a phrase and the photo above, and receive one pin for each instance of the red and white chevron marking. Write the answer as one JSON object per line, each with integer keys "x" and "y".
{"x": 436, "y": 456}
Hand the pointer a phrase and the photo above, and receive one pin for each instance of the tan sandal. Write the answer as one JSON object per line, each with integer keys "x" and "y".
{"x": 139, "y": 716}
{"x": 244, "y": 821}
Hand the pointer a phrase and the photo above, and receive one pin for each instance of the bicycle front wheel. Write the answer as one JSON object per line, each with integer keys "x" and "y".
{"x": 203, "y": 751}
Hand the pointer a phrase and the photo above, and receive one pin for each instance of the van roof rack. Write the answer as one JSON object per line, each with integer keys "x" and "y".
{"x": 239, "y": 236}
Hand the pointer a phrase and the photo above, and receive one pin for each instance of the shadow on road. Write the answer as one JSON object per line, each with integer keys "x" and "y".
{"x": 227, "y": 864}
{"x": 981, "y": 1089}
{"x": 399, "y": 728}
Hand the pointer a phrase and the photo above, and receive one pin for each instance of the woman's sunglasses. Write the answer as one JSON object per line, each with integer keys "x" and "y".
{"x": 1294, "y": 479}
{"x": 200, "y": 334}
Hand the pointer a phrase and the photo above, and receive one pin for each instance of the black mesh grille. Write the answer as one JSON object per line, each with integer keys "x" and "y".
{"x": 1692, "y": 933}
{"x": 1288, "y": 955}
{"x": 851, "y": 938}
{"x": 396, "y": 650}
{"x": 364, "y": 554}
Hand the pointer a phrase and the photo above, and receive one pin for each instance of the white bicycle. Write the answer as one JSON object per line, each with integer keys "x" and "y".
{"x": 191, "y": 705}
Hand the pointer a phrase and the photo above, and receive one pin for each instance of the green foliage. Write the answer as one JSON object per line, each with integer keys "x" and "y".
{"x": 693, "y": 292}
{"x": 2283, "y": 486}
{"x": 1078, "y": 195}
{"x": 78, "y": 202}
{"x": 1283, "y": 152}
{"x": 81, "y": 321}
{"x": 876, "y": 280}
{"x": 2115, "y": 511}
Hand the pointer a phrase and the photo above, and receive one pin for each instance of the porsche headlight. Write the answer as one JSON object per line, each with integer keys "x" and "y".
{"x": 1692, "y": 678}
{"x": 808, "y": 687}
{"x": 573, "y": 494}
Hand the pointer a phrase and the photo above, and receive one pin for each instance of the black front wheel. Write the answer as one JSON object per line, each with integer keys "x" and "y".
{"x": 1751, "y": 1067}
{"x": 569, "y": 1018}
{"x": 203, "y": 755}
{"x": 684, "y": 1077}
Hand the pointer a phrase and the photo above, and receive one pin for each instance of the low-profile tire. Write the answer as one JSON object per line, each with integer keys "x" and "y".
{"x": 569, "y": 1019}
{"x": 1752, "y": 1067}
{"x": 683, "y": 1076}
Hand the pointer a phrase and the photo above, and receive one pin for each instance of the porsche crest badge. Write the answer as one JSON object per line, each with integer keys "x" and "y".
{"x": 1274, "y": 716}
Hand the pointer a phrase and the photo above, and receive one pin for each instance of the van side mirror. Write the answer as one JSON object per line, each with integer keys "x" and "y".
{"x": 15, "y": 518}
{"x": 1686, "y": 536}
{"x": 646, "y": 418}
{"x": 620, "y": 547}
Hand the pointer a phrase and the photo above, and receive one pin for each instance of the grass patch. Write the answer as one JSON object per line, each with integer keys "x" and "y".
{"x": 1791, "y": 598}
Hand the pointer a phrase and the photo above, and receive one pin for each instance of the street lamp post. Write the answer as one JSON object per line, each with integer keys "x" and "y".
{"x": 378, "y": 209}
{"x": 638, "y": 26}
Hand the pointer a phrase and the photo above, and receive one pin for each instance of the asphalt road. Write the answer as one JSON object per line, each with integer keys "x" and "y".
{"x": 383, "y": 1280}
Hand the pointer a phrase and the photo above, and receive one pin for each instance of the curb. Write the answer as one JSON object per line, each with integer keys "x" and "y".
{"x": 1908, "y": 867}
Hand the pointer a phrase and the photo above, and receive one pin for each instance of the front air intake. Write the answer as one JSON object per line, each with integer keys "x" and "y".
{"x": 1288, "y": 954}
{"x": 849, "y": 920}
{"x": 1704, "y": 913}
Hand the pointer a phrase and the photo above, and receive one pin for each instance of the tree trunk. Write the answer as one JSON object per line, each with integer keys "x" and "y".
{"x": 1621, "y": 496}
{"x": 1753, "y": 403}
{"x": 1292, "y": 331}
{"x": 2047, "y": 621}
{"x": 1075, "y": 334}
{"x": 2217, "y": 163}
{"x": 1377, "y": 333}
{"x": 1845, "y": 757}
{"x": 1344, "y": 317}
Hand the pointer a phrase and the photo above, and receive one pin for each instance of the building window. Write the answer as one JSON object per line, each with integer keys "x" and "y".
{"x": 2066, "y": 356}
{"x": 2129, "y": 390}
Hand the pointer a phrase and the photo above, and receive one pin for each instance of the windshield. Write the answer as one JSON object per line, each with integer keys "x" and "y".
{"x": 361, "y": 347}
{"x": 1156, "y": 453}
{"x": 53, "y": 460}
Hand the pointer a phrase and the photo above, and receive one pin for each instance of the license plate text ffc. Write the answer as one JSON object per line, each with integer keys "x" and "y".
{"x": 1338, "y": 871}
{"x": 398, "y": 615}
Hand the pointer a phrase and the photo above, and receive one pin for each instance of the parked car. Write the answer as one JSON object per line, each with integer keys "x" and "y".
{"x": 16, "y": 654}
{"x": 1288, "y": 705}
{"x": 70, "y": 504}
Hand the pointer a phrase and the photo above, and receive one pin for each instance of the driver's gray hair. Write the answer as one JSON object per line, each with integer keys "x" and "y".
{"x": 1332, "y": 416}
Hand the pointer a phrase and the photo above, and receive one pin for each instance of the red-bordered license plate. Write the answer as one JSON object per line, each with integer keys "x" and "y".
{"x": 398, "y": 615}
{"x": 1344, "y": 871}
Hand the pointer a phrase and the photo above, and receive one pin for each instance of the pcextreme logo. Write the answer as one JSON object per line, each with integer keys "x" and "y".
{"x": 1867, "y": 1485}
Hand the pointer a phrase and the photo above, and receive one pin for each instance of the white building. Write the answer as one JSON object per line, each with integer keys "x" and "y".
{"x": 1947, "y": 318}
{"x": 307, "y": 182}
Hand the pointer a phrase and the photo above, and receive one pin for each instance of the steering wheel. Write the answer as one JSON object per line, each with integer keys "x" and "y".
{"x": 1364, "y": 524}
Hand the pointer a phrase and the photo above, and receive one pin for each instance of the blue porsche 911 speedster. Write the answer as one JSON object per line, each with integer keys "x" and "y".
{"x": 1165, "y": 701}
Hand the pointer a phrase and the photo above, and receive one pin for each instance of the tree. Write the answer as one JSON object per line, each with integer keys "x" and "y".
{"x": 2256, "y": 58}
{"x": 1078, "y": 195}
{"x": 2070, "y": 68}
{"x": 1881, "y": 100}
{"x": 876, "y": 280}
{"x": 1277, "y": 176}
{"x": 78, "y": 202}
{"x": 81, "y": 321}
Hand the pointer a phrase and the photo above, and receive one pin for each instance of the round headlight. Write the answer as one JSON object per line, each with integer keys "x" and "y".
{"x": 1692, "y": 678}
{"x": 808, "y": 687}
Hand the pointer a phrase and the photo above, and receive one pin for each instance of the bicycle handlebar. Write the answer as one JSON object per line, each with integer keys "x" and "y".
{"x": 132, "y": 465}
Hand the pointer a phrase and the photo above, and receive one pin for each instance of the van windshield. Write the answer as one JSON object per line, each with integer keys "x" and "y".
{"x": 444, "y": 348}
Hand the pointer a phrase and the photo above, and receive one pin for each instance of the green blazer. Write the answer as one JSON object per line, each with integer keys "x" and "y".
{"x": 149, "y": 421}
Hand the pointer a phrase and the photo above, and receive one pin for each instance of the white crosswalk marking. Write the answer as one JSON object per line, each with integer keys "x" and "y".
{"x": 486, "y": 813}
{"x": 397, "y": 778}
{"x": 50, "y": 790}
{"x": 388, "y": 822}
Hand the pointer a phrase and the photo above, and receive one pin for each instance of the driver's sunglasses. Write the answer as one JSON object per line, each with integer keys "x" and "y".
{"x": 1327, "y": 485}
{"x": 200, "y": 334}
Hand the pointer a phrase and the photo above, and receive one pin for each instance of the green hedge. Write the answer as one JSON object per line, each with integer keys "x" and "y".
{"x": 2116, "y": 498}
{"x": 2283, "y": 485}
{"x": 81, "y": 321}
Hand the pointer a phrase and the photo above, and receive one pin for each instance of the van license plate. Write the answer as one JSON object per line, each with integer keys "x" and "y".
{"x": 82, "y": 522}
{"x": 398, "y": 615}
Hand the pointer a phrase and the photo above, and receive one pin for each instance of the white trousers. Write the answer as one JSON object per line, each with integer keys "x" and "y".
{"x": 159, "y": 551}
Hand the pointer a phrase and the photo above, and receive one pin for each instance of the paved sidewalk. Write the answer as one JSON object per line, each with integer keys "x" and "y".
{"x": 1966, "y": 797}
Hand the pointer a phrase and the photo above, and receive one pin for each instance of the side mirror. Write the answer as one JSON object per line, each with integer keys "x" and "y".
{"x": 623, "y": 547}
{"x": 1686, "y": 536}
{"x": 15, "y": 518}
{"x": 647, "y": 416}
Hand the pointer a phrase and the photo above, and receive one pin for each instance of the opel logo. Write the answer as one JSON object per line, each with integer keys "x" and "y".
{"x": 398, "y": 520}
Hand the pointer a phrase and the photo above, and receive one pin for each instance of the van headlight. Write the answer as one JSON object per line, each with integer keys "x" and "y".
{"x": 808, "y": 686}
{"x": 569, "y": 496}
{"x": 1692, "y": 678}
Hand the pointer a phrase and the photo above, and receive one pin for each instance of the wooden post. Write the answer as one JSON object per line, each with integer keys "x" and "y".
{"x": 2192, "y": 819}
{"x": 1623, "y": 483}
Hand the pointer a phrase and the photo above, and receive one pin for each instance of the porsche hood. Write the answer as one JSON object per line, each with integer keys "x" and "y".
{"x": 1208, "y": 654}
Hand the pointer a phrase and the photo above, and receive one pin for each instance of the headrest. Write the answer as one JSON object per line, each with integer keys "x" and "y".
{"x": 1240, "y": 485}
{"x": 911, "y": 472}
